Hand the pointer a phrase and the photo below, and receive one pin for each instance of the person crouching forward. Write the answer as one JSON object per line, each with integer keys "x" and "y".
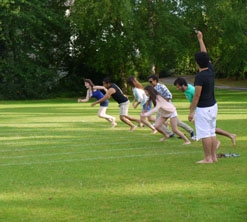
{"x": 166, "y": 110}
{"x": 116, "y": 93}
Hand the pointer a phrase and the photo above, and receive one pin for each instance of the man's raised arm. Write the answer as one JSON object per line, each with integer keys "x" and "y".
{"x": 201, "y": 42}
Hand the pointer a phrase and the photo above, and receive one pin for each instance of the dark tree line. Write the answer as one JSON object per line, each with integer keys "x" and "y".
{"x": 43, "y": 51}
{"x": 34, "y": 43}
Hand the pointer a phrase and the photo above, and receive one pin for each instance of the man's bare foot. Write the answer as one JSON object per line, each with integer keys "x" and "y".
{"x": 187, "y": 143}
{"x": 205, "y": 161}
{"x": 162, "y": 139}
{"x": 218, "y": 144}
{"x": 233, "y": 138}
{"x": 132, "y": 128}
{"x": 154, "y": 131}
{"x": 113, "y": 124}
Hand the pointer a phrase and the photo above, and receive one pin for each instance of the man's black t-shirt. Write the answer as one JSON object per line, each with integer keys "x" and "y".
{"x": 206, "y": 80}
{"x": 118, "y": 96}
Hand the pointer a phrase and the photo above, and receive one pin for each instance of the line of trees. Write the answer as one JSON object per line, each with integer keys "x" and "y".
{"x": 49, "y": 46}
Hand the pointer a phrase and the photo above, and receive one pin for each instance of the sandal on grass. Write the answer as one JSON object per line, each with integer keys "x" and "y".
{"x": 235, "y": 155}
{"x": 232, "y": 155}
{"x": 222, "y": 155}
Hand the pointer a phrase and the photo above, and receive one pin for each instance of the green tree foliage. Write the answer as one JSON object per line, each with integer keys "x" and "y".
{"x": 118, "y": 37}
{"x": 223, "y": 23}
{"x": 34, "y": 39}
{"x": 40, "y": 47}
{"x": 167, "y": 38}
{"x": 103, "y": 32}
{"x": 232, "y": 42}
{"x": 162, "y": 34}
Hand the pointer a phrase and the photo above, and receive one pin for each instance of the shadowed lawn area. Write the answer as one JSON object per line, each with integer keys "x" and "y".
{"x": 60, "y": 162}
{"x": 231, "y": 82}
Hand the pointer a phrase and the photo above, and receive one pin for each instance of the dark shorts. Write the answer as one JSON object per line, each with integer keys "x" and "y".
{"x": 105, "y": 103}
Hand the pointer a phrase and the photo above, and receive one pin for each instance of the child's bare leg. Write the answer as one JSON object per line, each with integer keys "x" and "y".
{"x": 130, "y": 118}
{"x": 175, "y": 129}
{"x": 102, "y": 114}
{"x": 227, "y": 134}
{"x": 233, "y": 138}
{"x": 160, "y": 130}
{"x": 217, "y": 144}
{"x": 128, "y": 122}
{"x": 158, "y": 125}
{"x": 151, "y": 119}
{"x": 148, "y": 124}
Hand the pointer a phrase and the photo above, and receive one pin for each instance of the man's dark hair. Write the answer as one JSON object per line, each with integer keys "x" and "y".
{"x": 202, "y": 59}
{"x": 180, "y": 81}
{"x": 154, "y": 77}
{"x": 107, "y": 80}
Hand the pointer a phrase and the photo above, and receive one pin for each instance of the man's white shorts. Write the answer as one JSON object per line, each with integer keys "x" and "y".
{"x": 124, "y": 108}
{"x": 205, "y": 121}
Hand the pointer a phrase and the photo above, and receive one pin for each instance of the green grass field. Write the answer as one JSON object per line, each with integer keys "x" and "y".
{"x": 60, "y": 162}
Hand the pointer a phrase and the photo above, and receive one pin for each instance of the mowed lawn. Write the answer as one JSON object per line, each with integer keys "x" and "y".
{"x": 60, "y": 162}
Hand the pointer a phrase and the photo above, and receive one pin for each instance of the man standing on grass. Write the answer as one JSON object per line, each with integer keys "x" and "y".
{"x": 189, "y": 91}
{"x": 116, "y": 93}
{"x": 205, "y": 104}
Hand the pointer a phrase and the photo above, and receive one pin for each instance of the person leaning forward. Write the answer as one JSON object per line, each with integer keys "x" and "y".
{"x": 166, "y": 94}
{"x": 116, "y": 93}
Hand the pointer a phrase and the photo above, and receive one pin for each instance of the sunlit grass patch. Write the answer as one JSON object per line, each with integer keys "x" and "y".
{"x": 60, "y": 162}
